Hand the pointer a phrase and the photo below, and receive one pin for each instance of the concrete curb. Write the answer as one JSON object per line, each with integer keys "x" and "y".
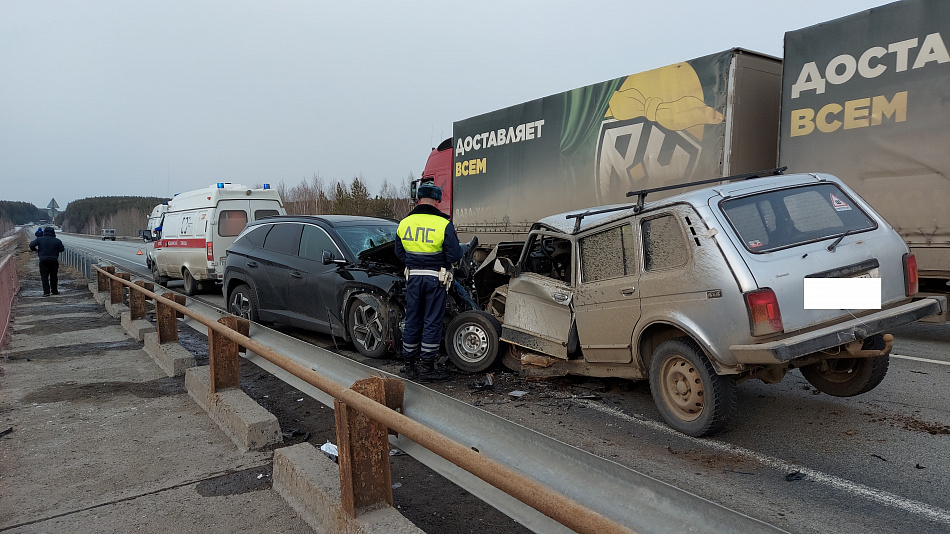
{"x": 116, "y": 310}
{"x": 171, "y": 357}
{"x": 248, "y": 424}
{"x": 137, "y": 328}
{"x": 310, "y": 483}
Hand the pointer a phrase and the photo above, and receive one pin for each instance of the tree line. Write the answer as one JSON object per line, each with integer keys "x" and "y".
{"x": 13, "y": 213}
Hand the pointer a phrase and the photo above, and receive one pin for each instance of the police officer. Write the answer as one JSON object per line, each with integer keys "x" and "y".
{"x": 428, "y": 246}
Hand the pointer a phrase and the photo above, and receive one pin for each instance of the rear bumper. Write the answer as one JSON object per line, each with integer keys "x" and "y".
{"x": 785, "y": 350}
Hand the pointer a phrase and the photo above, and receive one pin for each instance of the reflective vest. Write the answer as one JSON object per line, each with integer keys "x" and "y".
{"x": 422, "y": 234}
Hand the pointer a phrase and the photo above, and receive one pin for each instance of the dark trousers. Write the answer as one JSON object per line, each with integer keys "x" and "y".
{"x": 425, "y": 308}
{"x": 49, "y": 270}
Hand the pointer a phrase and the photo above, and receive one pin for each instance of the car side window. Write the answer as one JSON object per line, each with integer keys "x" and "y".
{"x": 255, "y": 237}
{"x": 284, "y": 238}
{"x": 231, "y": 222}
{"x": 314, "y": 241}
{"x": 607, "y": 254}
{"x": 664, "y": 243}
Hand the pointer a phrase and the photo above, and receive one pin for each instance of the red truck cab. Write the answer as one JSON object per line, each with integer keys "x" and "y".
{"x": 438, "y": 170}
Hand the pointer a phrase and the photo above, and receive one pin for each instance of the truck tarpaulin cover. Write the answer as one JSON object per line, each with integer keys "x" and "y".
{"x": 591, "y": 145}
{"x": 867, "y": 98}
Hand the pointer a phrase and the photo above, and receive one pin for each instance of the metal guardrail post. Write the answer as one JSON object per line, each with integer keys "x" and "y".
{"x": 365, "y": 476}
{"x": 137, "y": 301}
{"x": 117, "y": 291}
{"x": 223, "y": 357}
{"x": 167, "y": 319}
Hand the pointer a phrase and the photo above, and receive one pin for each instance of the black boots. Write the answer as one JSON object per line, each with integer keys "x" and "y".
{"x": 429, "y": 372}
{"x": 409, "y": 370}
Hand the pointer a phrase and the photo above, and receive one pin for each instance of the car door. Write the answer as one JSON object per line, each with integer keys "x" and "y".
{"x": 311, "y": 282}
{"x": 539, "y": 306}
{"x": 606, "y": 298}
{"x": 278, "y": 274}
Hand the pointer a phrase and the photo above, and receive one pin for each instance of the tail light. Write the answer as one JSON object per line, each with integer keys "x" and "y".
{"x": 210, "y": 252}
{"x": 764, "y": 315}
{"x": 910, "y": 275}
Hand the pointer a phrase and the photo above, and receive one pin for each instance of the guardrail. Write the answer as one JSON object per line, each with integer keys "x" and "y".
{"x": 9, "y": 285}
{"x": 366, "y": 412}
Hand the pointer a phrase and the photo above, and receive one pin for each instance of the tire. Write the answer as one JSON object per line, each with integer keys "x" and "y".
{"x": 243, "y": 303}
{"x": 472, "y": 341}
{"x": 847, "y": 377}
{"x": 191, "y": 285}
{"x": 156, "y": 277}
{"x": 368, "y": 325}
{"x": 689, "y": 394}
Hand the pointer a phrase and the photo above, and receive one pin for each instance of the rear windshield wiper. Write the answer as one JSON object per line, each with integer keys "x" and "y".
{"x": 831, "y": 247}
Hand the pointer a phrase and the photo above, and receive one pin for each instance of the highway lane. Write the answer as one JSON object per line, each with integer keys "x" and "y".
{"x": 800, "y": 460}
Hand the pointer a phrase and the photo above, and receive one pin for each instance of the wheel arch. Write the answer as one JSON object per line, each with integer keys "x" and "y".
{"x": 657, "y": 332}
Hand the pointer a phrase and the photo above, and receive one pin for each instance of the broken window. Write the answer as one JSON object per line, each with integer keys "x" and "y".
{"x": 608, "y": 254}
{"x": 664, "y": 244}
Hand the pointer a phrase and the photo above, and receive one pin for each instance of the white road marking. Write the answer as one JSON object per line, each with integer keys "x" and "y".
{"x": 932, "y": 513}
{"x": 925, "y": 360}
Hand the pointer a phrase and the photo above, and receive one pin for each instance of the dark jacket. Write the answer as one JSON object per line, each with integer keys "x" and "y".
{"x": 451, "y": 250}
{"x": 48, "y": 246}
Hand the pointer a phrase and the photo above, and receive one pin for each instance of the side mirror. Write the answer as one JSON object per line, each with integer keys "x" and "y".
{"x": 504, "y": 266}
{"x": 329, "y": 258}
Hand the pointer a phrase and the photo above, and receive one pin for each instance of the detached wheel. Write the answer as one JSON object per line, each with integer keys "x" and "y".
{"x": 368, "y": 325}
{"x": 157, "y": 277}
{"x": 472, "y": 340}
{"x": 243, "y": 303}
{"x": 191, "y": 285}
{"x": 847, "y": 377}
{"x": 689, "y": 394}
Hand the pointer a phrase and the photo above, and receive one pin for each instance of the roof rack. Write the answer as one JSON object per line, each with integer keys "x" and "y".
{"x": 642, "y": 194}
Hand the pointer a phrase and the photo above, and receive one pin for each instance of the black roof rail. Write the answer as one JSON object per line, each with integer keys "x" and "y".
{"x": 642, "y": 194}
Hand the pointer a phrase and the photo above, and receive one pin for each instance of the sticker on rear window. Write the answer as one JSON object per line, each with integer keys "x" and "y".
{"x": 838, "y": 204}
{"x": 755, "y": 244}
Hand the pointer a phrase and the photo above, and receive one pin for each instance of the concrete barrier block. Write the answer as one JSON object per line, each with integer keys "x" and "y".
{"x": 310, "y": 483}
{"x": 171, "y": 357}
{"x": 100, "y": 296}
{"x": 116, "y": 310}
{"x": 247, "y": 423}
{"x": 137, "y": 328}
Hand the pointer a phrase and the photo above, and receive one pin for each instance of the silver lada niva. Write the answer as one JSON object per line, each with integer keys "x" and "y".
{"x": 699, "y": 292}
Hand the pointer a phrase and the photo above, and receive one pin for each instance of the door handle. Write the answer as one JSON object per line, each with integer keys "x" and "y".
{"x": 295, "y": 274}
{"x": 252, "y": 264}
{"x": 628, "y": 291}
{"x": 560, "y": 297}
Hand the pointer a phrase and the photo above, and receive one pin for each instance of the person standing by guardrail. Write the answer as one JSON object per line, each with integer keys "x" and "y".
{"x": 48, "y": 247}
{"x": 428, "y": 245}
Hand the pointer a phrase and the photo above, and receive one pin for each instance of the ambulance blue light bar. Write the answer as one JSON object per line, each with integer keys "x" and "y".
{"x": 266, "y": 186}
{"x": 220, "y": 185}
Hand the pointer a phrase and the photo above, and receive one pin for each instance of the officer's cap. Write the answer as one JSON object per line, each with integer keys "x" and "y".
{"x": 429, "y": 190}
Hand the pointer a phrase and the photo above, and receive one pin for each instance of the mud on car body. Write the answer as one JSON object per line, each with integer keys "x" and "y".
{"x": 334, "y": 274}
{"x": 701, "y": 291}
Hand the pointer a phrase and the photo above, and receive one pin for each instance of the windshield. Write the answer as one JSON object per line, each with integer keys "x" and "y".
{"x": 365, "y": 236}
{"x": 788, "y": 217}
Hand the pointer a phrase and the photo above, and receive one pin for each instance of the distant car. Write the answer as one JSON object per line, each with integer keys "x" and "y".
{"x": 108, "y": 233}
{"x": 701, "y": 291}
{"x": 333, "y": 274}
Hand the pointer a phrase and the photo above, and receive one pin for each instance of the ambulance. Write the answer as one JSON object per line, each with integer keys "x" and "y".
{"x": 199, "y": 226}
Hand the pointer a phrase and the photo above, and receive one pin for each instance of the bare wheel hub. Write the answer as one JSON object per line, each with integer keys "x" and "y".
{"x": 683, "y": 388}
{"x": 471, "y": 343}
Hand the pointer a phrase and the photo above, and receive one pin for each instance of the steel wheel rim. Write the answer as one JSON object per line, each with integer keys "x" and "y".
{"x": 241, "y": 306}
{"x": 471, "y": 344}
{"x": 840, "y": 370}
{"x": 682, "y": 387}
{"x": 368, "y": 327}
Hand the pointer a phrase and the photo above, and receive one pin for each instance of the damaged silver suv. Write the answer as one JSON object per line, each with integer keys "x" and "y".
{"x": 701, "y": 291}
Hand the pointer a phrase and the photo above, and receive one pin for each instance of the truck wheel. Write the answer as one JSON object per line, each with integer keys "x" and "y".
{"x": 472, "y": 340}
{"x": 191, "y": 285}
{"x": 368, "y": 326}
{"x": 157, "y": 277}
{"x": 847, "y": 377}
{"x": 243, "y": 303}
{"x": 689, "y": 394}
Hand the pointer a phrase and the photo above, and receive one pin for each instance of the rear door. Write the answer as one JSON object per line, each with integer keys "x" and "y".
{"x": 277, "y": 270}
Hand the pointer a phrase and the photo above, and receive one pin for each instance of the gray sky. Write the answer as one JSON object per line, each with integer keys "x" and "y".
{"x": 154, "y": 98}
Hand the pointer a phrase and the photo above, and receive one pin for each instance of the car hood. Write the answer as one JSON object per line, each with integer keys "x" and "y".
{"x": 385, "y": 254}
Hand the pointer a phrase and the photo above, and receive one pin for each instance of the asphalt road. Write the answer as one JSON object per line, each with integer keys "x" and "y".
{"x": 800, "y": 460}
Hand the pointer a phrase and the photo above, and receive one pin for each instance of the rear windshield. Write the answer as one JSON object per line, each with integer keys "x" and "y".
{"x": 789, "y": 217}
{"x": 362, "y": 237}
